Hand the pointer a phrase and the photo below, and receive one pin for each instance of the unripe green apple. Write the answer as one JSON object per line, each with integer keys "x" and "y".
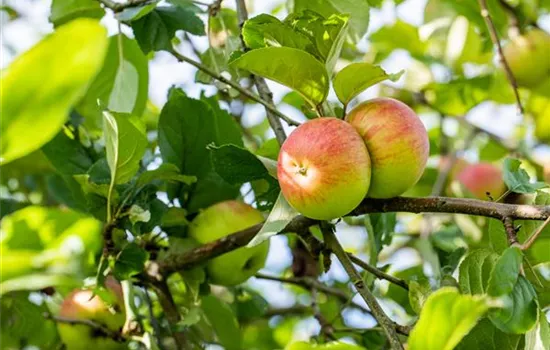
{"x": 220, "y": 220}
{"x": 335, "y": 345}
{"x": 324, "y": 168}
{"x": 482, "y": 180}
{"x": 397, "y": 142}
{"x": 528, "y": 58}
{"x": 84, "y": 305}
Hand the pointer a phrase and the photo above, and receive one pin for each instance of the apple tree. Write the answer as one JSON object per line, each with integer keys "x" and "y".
{"x": 320, "y": 174}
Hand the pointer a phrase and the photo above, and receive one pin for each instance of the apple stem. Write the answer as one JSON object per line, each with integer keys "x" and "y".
{"x": 385, "y": 322}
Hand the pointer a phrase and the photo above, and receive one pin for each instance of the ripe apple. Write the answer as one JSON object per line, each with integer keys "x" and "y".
{"x": 218, "y": 221}
{"x": 482, "y": 180}
{"x": 527, "y": 57}
{"x": 324, "y": 168}
{"x": 335, "y": 345}
{"x": 397, "y": 142}
{"x": 82, "y": 304}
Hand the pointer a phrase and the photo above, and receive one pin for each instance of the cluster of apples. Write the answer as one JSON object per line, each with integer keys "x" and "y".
{"x": 327, "y": 166}
{"x": 527, "y": 57}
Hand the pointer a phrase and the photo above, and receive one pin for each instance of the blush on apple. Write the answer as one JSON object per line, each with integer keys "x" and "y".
{"x": 482, "y": 180}
{"x": 397, "y": 142}
{"x": 324, "y": 168}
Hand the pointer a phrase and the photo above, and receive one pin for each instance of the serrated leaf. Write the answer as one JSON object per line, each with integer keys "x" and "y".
{"x": 155, "y": 31}
{"x": 357, "y": 10}
{"x": 447, "y": 316}
{"x": 121, "y": 85}
{"x": 236, "y": 165}
{"x": 505, "y": 273}
{"x": 41, "y": 86}
{"x": 130, "y": 261}
{"x": 165, "y": 172}
{"x": 519, "y": 312}
{"x": 124, "y": 144}
{"x": 517, "y": 178}
{"x": 63, "y": 11}
{"x": 291, "y": 67}
{"x": 485, "y": 336}
{"x": 280, "y": 216}
{"x": 475, "y": 271}
{"x": 356, "y": 77}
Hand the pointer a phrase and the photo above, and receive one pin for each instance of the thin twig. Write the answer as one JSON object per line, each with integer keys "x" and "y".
{"x": 153, "y": 319}
{"x": 261, "y": 84}
{"x": 529, "y": 242}
{"x": 378, "y": 273}
{"x": 120, "y": 6}
{"x": 117, "y": 336}
{"x": 171, "y": 312}
{"x": 385, "y": 322}
{"x": 234, "y": 85}
{"x": 494, "y": 37}
{"x": 511, "y": 232}
{"x": 326, "y": 327}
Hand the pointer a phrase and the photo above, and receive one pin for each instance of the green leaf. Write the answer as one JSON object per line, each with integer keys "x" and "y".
{"x": 67, "y": 155}
{"x": 358, "y": 10}
{"x": 517, "y": 178}
{"x": 419, "y": 291}
{"x": 497, "y": 236}
{"x": 124, "y": 144}
{"x": 538, "y": 252}
{"x": 134, "y": 13}
{"x": 130, "y": 261}
{"x": 539, "y": 336}
{"x": 485, "y": 336}
{"x": 539, "y": 276}
{"x": 519, "y": 311}
{"x": 38, "y": 239}
{"x": 186, "y": 127}
{"x": 539, "y": 107}
{"x": 328, "y": 34}
{"x": 37, "y": 281}
{"x": 505, "y": 273}
{"x": 356, "y": 77}
{"x": 41, "y": 86}
{"x": 121, "y": 85}
{"x": 64, "y": 11}
{"x": 400, "y": 35}
{"x": 446, "y": 318}
{"x": 155, "y": 31}
{"x": 267, "y": 31}
{"x": 236, "y": 165}
{"x": 280, "y": 216}
{"x": 492, "y": 151}
{"x": 223, "y": 321}
{"x": 475, "y": 271}
{"x": 165, "y": 172}
{"x": 294, "y": 68}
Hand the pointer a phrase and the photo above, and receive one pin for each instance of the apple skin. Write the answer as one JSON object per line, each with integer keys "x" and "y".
{"x": 527, "y": 57}
{"x": 335, "y": 345}
{"x": 482, "y": 178}
{"x": 397, "y": 142}
{"x": 324, "y": 169}
{"x": 220, "y": 220}
{"x": 80, "y": 305}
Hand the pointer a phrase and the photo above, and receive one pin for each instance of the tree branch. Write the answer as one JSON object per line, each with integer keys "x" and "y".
{"x": 171, "y": 312}
{"x": 529, "y": 242}
{"x": 510, "y": 230}
{"x": 268, "y": 105}
{"x": 260, "y": 82}
{"x": 385, "y": 322}
{"x": 494, "y": 38}
{"x": 399, "y": 204}
{"x": 378, "y": 273}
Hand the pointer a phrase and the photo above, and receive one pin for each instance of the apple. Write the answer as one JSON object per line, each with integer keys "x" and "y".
{"x": 82, "y": 304}
{"x": 482, "y": 180}
{"x": 220, "y": 220}
{"x": 527, "y": 57}
{"x": 457, "y": 167}
{"x": 335, "y": 345}
{"x": 324, "y": 168}
{"x": 397, "y": 142}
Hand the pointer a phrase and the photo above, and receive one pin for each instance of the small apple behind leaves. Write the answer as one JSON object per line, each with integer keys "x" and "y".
{"x": 82, "y": 304}
{"x": 397, "y": 142}
{"x": 482, "y": 180}
{"x": 528, "y": 58}
{"x": 220, "y": 220}
{"x": 324, "y": 169}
